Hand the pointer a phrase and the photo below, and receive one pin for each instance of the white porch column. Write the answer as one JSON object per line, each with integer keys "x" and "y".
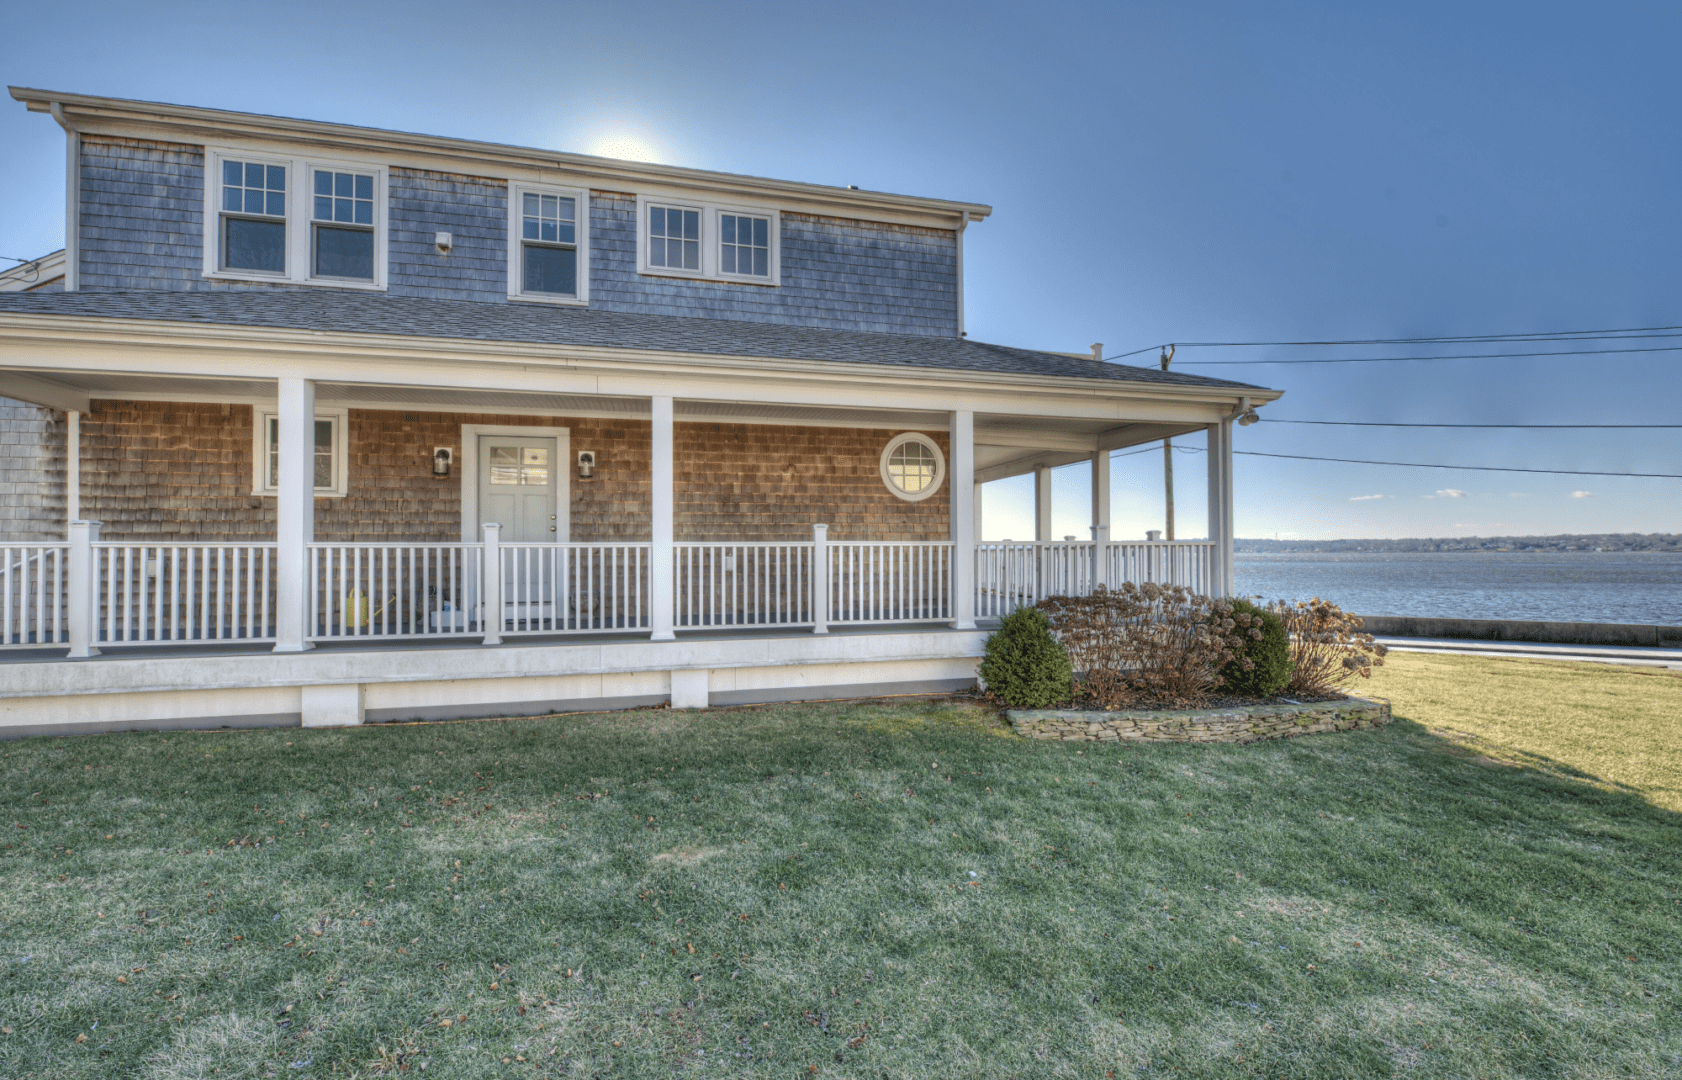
{"x": 976, "y": 497}
{"x": 1220, "y": 508}
{"x": 294, "y": 514}
{"x": 961, "y": 515}
{"x": 820, "y": 579}
{"x": 490, "y": 619}
{"x": 72, "y": 466}
{"x": 660, "y": 601}
{"x": 84, "y": 589}
{"x": 1042, "y": 504}
{"x": 1101, "y": 517}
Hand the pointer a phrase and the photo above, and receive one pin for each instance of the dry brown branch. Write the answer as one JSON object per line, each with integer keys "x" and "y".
{"x": 1327, "y": 646}
{"x": 1161, "y": 644}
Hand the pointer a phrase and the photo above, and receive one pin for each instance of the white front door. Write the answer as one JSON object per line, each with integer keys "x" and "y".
{"x": 519, "y": 486}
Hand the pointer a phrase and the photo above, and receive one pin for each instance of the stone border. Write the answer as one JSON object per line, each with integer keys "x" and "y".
{"x": 1234, "y": 724}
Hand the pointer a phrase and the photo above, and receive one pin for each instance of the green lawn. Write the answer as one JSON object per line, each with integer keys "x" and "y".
{"x": 1395, "y": 902}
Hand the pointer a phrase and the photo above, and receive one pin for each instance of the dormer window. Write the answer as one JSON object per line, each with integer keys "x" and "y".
{"x": 709, "y": 241}
{"x": 344, "y": 225}
{"x": 674, "y": 237}
{"x": 744, "y": 245}
{"x": 253, "y": 218}
{"x": 302, "y": 220}
{"x": 548, "y": 244}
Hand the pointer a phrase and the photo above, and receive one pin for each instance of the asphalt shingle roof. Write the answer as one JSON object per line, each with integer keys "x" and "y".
{"x": 370, "y": 313}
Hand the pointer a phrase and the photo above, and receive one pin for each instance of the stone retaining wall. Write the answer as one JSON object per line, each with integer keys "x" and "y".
{"x": 1235, "y": 724}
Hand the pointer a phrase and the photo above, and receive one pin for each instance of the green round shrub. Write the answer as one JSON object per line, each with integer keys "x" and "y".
{"x": 1024, "y": 665}
{"x": 1269, "y": 653}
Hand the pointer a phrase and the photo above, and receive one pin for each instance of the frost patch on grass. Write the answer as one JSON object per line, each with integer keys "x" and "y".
{"x": 686, "y": 856}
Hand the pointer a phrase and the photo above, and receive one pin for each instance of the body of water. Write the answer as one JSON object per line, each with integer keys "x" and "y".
{"x": 1573, "y": 586}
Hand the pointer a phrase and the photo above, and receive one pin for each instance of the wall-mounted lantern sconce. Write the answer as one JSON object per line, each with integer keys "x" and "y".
{"x": 442, "y": 456}
{"x": 586, "y": 464}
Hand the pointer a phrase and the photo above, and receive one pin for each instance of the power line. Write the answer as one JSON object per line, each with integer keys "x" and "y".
{"x": 1376, "y": 423}
{"x": 1543, "y": 335}
{"x": 1474, "y": 468}
{"x": 1455, "y": 356}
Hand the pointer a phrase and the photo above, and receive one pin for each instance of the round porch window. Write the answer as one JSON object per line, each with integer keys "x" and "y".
{"x": 913, "y": 466}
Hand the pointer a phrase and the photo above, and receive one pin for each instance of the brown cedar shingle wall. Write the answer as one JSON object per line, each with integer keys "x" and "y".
{"x": 173, "y": 471}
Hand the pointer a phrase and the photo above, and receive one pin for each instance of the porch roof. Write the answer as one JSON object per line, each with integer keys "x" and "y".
{"x": 365, "y": 313}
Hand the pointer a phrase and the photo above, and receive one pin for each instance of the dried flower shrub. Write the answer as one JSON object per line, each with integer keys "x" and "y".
{"x": 1328, "y": 648}
{"x": 1138, "y": 644}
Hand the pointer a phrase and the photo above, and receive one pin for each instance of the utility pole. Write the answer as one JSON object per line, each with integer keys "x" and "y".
{"x": 1168, "y": 460}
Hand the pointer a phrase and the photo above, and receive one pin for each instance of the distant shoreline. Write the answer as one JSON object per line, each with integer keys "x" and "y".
{"x": 1569, "y": 542}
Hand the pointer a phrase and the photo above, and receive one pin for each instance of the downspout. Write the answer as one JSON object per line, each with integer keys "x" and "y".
{"x": 72, "y": 198}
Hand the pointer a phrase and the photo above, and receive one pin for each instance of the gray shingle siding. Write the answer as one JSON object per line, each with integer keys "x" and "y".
{"x": 31, "y": 473}
{"x": 836, "y": 274}
{"x": 143, "y": 229}
{"x": 473, "y": 211}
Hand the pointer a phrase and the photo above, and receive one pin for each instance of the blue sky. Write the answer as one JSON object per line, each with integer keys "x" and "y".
{"x": 1159, "y": 172}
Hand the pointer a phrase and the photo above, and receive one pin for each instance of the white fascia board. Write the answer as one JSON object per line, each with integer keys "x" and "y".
{"x": 145, "y": 346}
{"x": 119, "y": 116}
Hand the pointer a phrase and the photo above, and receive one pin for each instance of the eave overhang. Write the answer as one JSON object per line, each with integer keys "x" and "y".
{"x": 120, "y": 116}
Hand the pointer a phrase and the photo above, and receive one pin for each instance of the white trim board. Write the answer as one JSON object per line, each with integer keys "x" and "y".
{"x": 467, "y": 463}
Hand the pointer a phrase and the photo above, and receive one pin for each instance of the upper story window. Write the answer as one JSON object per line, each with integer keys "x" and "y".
{"x": 548, "y": 244}
{"x": 253, "y": 218}
{"x": 744, "y": 245}
{"x": 674, "y": 238}
{"x": 296, "y": 219}
{"x": 701, "y": 240}
{"x": 344, "y": 225}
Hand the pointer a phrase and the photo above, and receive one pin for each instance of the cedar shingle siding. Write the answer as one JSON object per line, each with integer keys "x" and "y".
{"x": 166, "y": 471}
{"x": 31, "y": 473}
{"x": 143, "y": 228}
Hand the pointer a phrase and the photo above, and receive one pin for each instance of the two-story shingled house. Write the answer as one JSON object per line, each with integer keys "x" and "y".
{"x": 316, "y": 423}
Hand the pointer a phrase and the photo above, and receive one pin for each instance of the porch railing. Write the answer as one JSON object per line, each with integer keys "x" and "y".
{"x": 183, "y": 592}
{"x": 394, "y": 591}
{"x": 574, "y": 588}
{"x": 89, "y": 593}
{"x": 889, "y": 581}
{"x": 719, "y": 585}
{"x": 34, "y": 594}
{"x": 1010, "y": 575}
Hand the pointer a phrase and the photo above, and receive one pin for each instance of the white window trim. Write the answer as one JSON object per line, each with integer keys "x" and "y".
{"x": 516, "y": 264}
{"x": 710, "y": 233}
{"x": 300, "y": 187}
{"x": 939, "y": 466}
{"x": 261, "y": 416}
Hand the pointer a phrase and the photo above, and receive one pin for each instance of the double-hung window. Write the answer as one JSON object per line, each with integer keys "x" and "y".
{"x": 548, "y": 244}
{"x": 294, "y": 219}
{"x": 709, "y": 241}
{"x": 342, "y": 224}
{"x": 328, "y": 457}
{"x": 252, "y": 221}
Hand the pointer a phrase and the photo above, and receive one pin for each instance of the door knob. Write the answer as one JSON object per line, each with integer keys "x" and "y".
{"x": 551, "y": 528}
